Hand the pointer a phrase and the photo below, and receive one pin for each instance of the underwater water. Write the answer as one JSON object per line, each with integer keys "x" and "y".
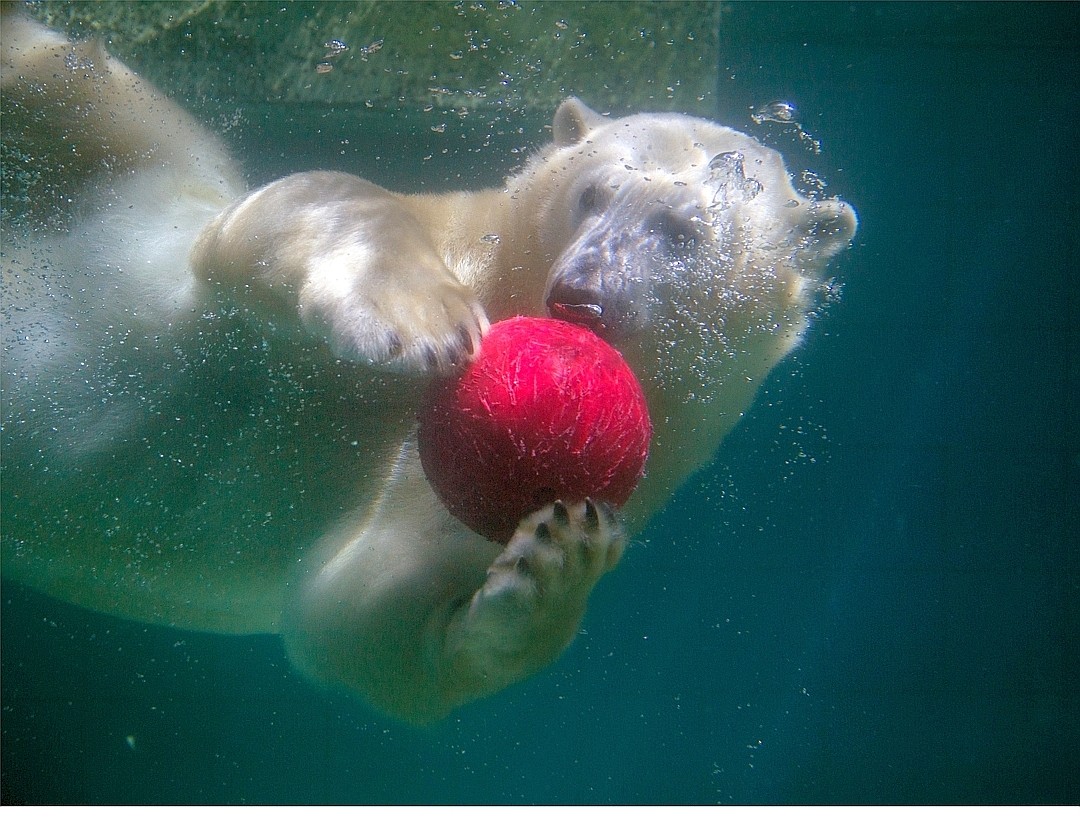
{"x": 871, "y": 596}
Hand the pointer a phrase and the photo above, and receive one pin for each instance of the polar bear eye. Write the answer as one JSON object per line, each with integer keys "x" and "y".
{"x": 677, "y": 229}
{"x": 592, "y": 200}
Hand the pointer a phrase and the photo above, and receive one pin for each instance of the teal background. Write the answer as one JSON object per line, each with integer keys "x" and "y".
{"x": 871, "y": 596}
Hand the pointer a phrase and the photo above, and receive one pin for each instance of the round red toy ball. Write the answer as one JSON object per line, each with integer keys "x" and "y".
{"x": 546, "y": 411}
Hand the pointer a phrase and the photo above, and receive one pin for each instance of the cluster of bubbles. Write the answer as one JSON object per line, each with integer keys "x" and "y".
{"x": 809, "y": 183}
{"x": 336, "y": 47}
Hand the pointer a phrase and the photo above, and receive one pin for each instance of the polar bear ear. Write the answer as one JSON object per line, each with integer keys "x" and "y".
{"x": 827, "y": 227}
{"x": 573, "y": 121}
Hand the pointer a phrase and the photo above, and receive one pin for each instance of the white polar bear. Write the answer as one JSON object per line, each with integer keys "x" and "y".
{"x": 209, "y": 397}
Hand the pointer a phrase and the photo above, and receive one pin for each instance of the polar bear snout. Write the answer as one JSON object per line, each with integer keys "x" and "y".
{"x": 610, "y": 301}
{"x": 604, "y": 279}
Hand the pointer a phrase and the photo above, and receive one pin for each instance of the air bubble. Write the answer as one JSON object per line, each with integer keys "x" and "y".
{"x": 780, "y": 112}
{"x": 334, "y": 48}
{"x": 371, "y": 48}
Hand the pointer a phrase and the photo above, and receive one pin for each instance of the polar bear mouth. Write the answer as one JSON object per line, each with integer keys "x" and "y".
{"x": 582, "y": 313}
{"x": 581, "y": 306}
{"x": 609, "y": 306}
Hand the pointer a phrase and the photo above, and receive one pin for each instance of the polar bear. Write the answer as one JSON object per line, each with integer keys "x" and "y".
{"x": 210, "y": 394}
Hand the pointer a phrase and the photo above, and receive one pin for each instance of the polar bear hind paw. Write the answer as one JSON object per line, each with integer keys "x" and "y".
{"x": 534, "y": 595}
{"x": 587, "y": 538}
{"x": 557, "y": 555}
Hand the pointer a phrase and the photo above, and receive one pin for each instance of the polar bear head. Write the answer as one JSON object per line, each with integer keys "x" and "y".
{"x": 684, "y": 243}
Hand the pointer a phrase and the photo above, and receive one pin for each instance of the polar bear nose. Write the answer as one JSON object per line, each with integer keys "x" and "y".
{"x": 575, "y": 304}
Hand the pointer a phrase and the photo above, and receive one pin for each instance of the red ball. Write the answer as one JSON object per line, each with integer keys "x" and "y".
{"x": 546, "y": 411}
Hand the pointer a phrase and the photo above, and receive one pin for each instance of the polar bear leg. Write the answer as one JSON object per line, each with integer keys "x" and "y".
{"x": 86, "y": 114}
{"x": 356, "y": 264}
{"x": 419, "y": 615}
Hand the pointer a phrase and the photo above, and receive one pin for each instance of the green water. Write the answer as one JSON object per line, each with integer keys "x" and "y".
{"x": 870, "y": 597}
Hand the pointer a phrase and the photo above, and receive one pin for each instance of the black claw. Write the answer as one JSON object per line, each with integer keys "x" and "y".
{"x": 455, "y": 358}
{"x": 592, "y": 517}
{"x": 543, "y": 533}
{"x": 466, "y": 338}
{"x": 431, "y": 357}
{"x": 562, "y": 517}
{"x": 394, "y": 345}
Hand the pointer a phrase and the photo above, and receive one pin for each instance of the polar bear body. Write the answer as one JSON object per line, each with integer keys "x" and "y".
{"x": 210, "y": 395}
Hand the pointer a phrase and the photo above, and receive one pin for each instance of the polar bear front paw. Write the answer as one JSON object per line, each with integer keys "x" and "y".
{"x": 359, "y": 267}
{"x": 419, "y": 319}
